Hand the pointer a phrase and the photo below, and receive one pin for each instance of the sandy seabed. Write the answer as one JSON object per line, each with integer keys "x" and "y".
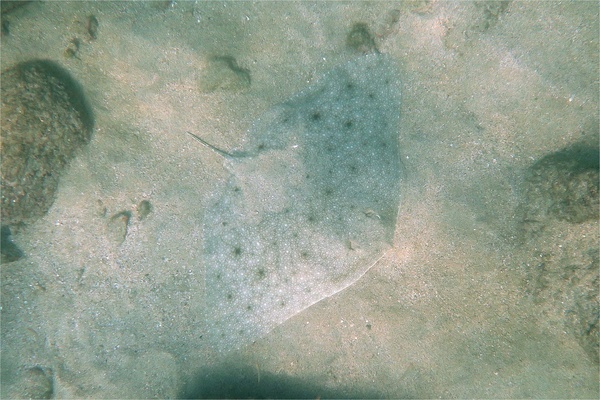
{"x": 488, "y": 89}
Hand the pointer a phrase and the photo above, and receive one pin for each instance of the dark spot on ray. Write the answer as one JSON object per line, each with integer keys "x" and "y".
{"x": 261, "y": 146}
{"x": 248, "y": 307}
{"x": 311, "y": 218}
{"x": 282, "y": 303}
{"x": 307, "y": 176}
{"x": 229, "y": 296}
{"x": 236, "y": 189}
{"x": 219, "y": 276}
{"x": 371, "y": 95}
{"x": 353, "y": 168}
{"x": 349, "y": 86}
{"x": 348, "y": 124}
{"x": 304, "y": 254}
{"x": 261, "y": 273}
{"x": 328, "y": 191}
{"x": 224, "y": 223}
{"x": 315, "y": 116}
{"x": 237, "y": 251}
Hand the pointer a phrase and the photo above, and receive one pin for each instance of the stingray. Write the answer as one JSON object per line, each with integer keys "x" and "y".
{"x": 310, "y": 204}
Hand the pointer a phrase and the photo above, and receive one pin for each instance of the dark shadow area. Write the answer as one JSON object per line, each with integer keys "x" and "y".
{"x": 579, "y": 157}
{"x": 10, "y": 251}
{"x": 249, "y": 382}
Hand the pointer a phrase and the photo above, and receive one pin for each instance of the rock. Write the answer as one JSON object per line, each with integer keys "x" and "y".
{"x": 45, "y": 120}
{"x": 559, "y": 214}
{"x": 117, "y": 227}
{"x": 143, "y": 209}
{"x": 360, "y": 39}
{"x": 564, "y": 185}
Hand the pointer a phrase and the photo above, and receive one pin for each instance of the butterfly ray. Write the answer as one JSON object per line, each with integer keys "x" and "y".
{"x": 310, "y": 205}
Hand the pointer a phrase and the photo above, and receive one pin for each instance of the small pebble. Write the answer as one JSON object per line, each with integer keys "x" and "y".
{"x": 92, "y": 27}
{"x": 117, "y": 227}
{"x": 143, "y": 209}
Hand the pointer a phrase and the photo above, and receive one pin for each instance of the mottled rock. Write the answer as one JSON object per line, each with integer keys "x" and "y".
{"x": 45, "y": 120}
{"x": 564, "y": 185}
{"x": 559, "y": 215}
